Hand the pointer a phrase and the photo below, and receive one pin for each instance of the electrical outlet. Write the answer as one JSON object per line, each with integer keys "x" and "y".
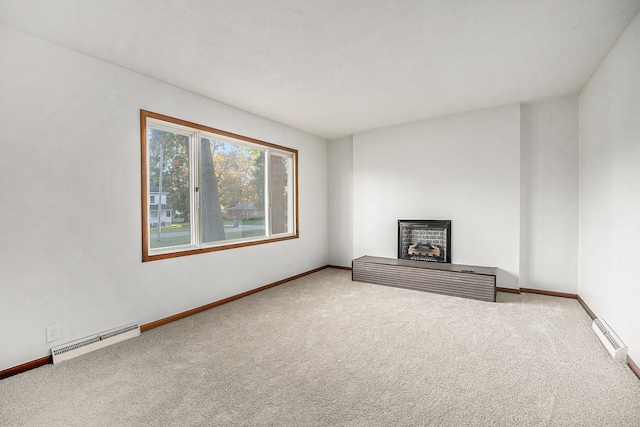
{"x": 53, "y": 332}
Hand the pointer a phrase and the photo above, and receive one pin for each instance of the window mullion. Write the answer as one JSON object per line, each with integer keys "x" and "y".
{"x": 290, "y": 198}
{"x": 194, "y": 159}
{"x": 267, "y": 193}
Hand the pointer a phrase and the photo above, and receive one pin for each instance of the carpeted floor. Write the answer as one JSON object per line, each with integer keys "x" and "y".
{"x": 325, "y": 351}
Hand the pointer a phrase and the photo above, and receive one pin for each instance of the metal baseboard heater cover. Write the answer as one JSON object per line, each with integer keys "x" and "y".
{"x": 94, "y": 342}
{"x": 612, "y": 342}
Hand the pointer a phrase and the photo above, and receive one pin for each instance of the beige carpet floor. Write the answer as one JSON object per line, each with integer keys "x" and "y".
{"x": 325, "y": 351}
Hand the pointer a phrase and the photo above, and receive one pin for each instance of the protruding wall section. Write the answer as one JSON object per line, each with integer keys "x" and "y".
{"x": 610, "y": 189}
{"x": 549, "y": 195}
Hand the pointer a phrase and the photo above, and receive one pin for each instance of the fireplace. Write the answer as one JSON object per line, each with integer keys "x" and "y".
{"x": 424, "y": 240}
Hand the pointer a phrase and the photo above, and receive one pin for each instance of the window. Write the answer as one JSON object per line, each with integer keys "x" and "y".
{"x": 226, "y": 190}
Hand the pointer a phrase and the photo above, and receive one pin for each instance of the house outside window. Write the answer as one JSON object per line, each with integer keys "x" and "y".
{"x": 165, "y": 209}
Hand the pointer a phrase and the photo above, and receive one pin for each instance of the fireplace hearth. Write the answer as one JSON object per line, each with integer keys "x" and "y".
{"x": 424, "y": 240}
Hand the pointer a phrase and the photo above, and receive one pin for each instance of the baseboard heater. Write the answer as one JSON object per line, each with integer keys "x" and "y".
{"x": 610, "y": 340}
{"x": 94, "y": 342}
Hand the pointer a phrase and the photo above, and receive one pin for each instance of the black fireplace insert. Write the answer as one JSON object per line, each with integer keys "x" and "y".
{"x": 424, "y": 240}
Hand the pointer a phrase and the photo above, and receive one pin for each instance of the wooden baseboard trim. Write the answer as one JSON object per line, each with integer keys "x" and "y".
{"x": 508, "y": 290}
{"x": 537, "y": 291}
{"x": 339, "y": 267}
{"x": 152, "y": 325}
{"x": 633, "y": 366}
{"x": 586, "y": 308}
{"x": 548, "y": 293}
{"x": 25, "y": 367}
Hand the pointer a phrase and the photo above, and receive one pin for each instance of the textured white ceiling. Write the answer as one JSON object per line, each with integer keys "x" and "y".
{"x": 336, "y": 67}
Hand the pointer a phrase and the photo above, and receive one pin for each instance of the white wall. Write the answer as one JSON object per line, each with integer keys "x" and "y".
{"x": 341, "y": 201}
{"x": 465, "y": 168}
{"x": 549, "y": 195}
{"x": 70, "y": 135}
{"x": 610, "y": 189}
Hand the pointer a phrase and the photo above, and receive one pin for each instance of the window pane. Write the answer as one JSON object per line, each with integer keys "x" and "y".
{"x": 168, "y": 189}
{"x": 232, "y": 191}
{"x": 279, "y": 184}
